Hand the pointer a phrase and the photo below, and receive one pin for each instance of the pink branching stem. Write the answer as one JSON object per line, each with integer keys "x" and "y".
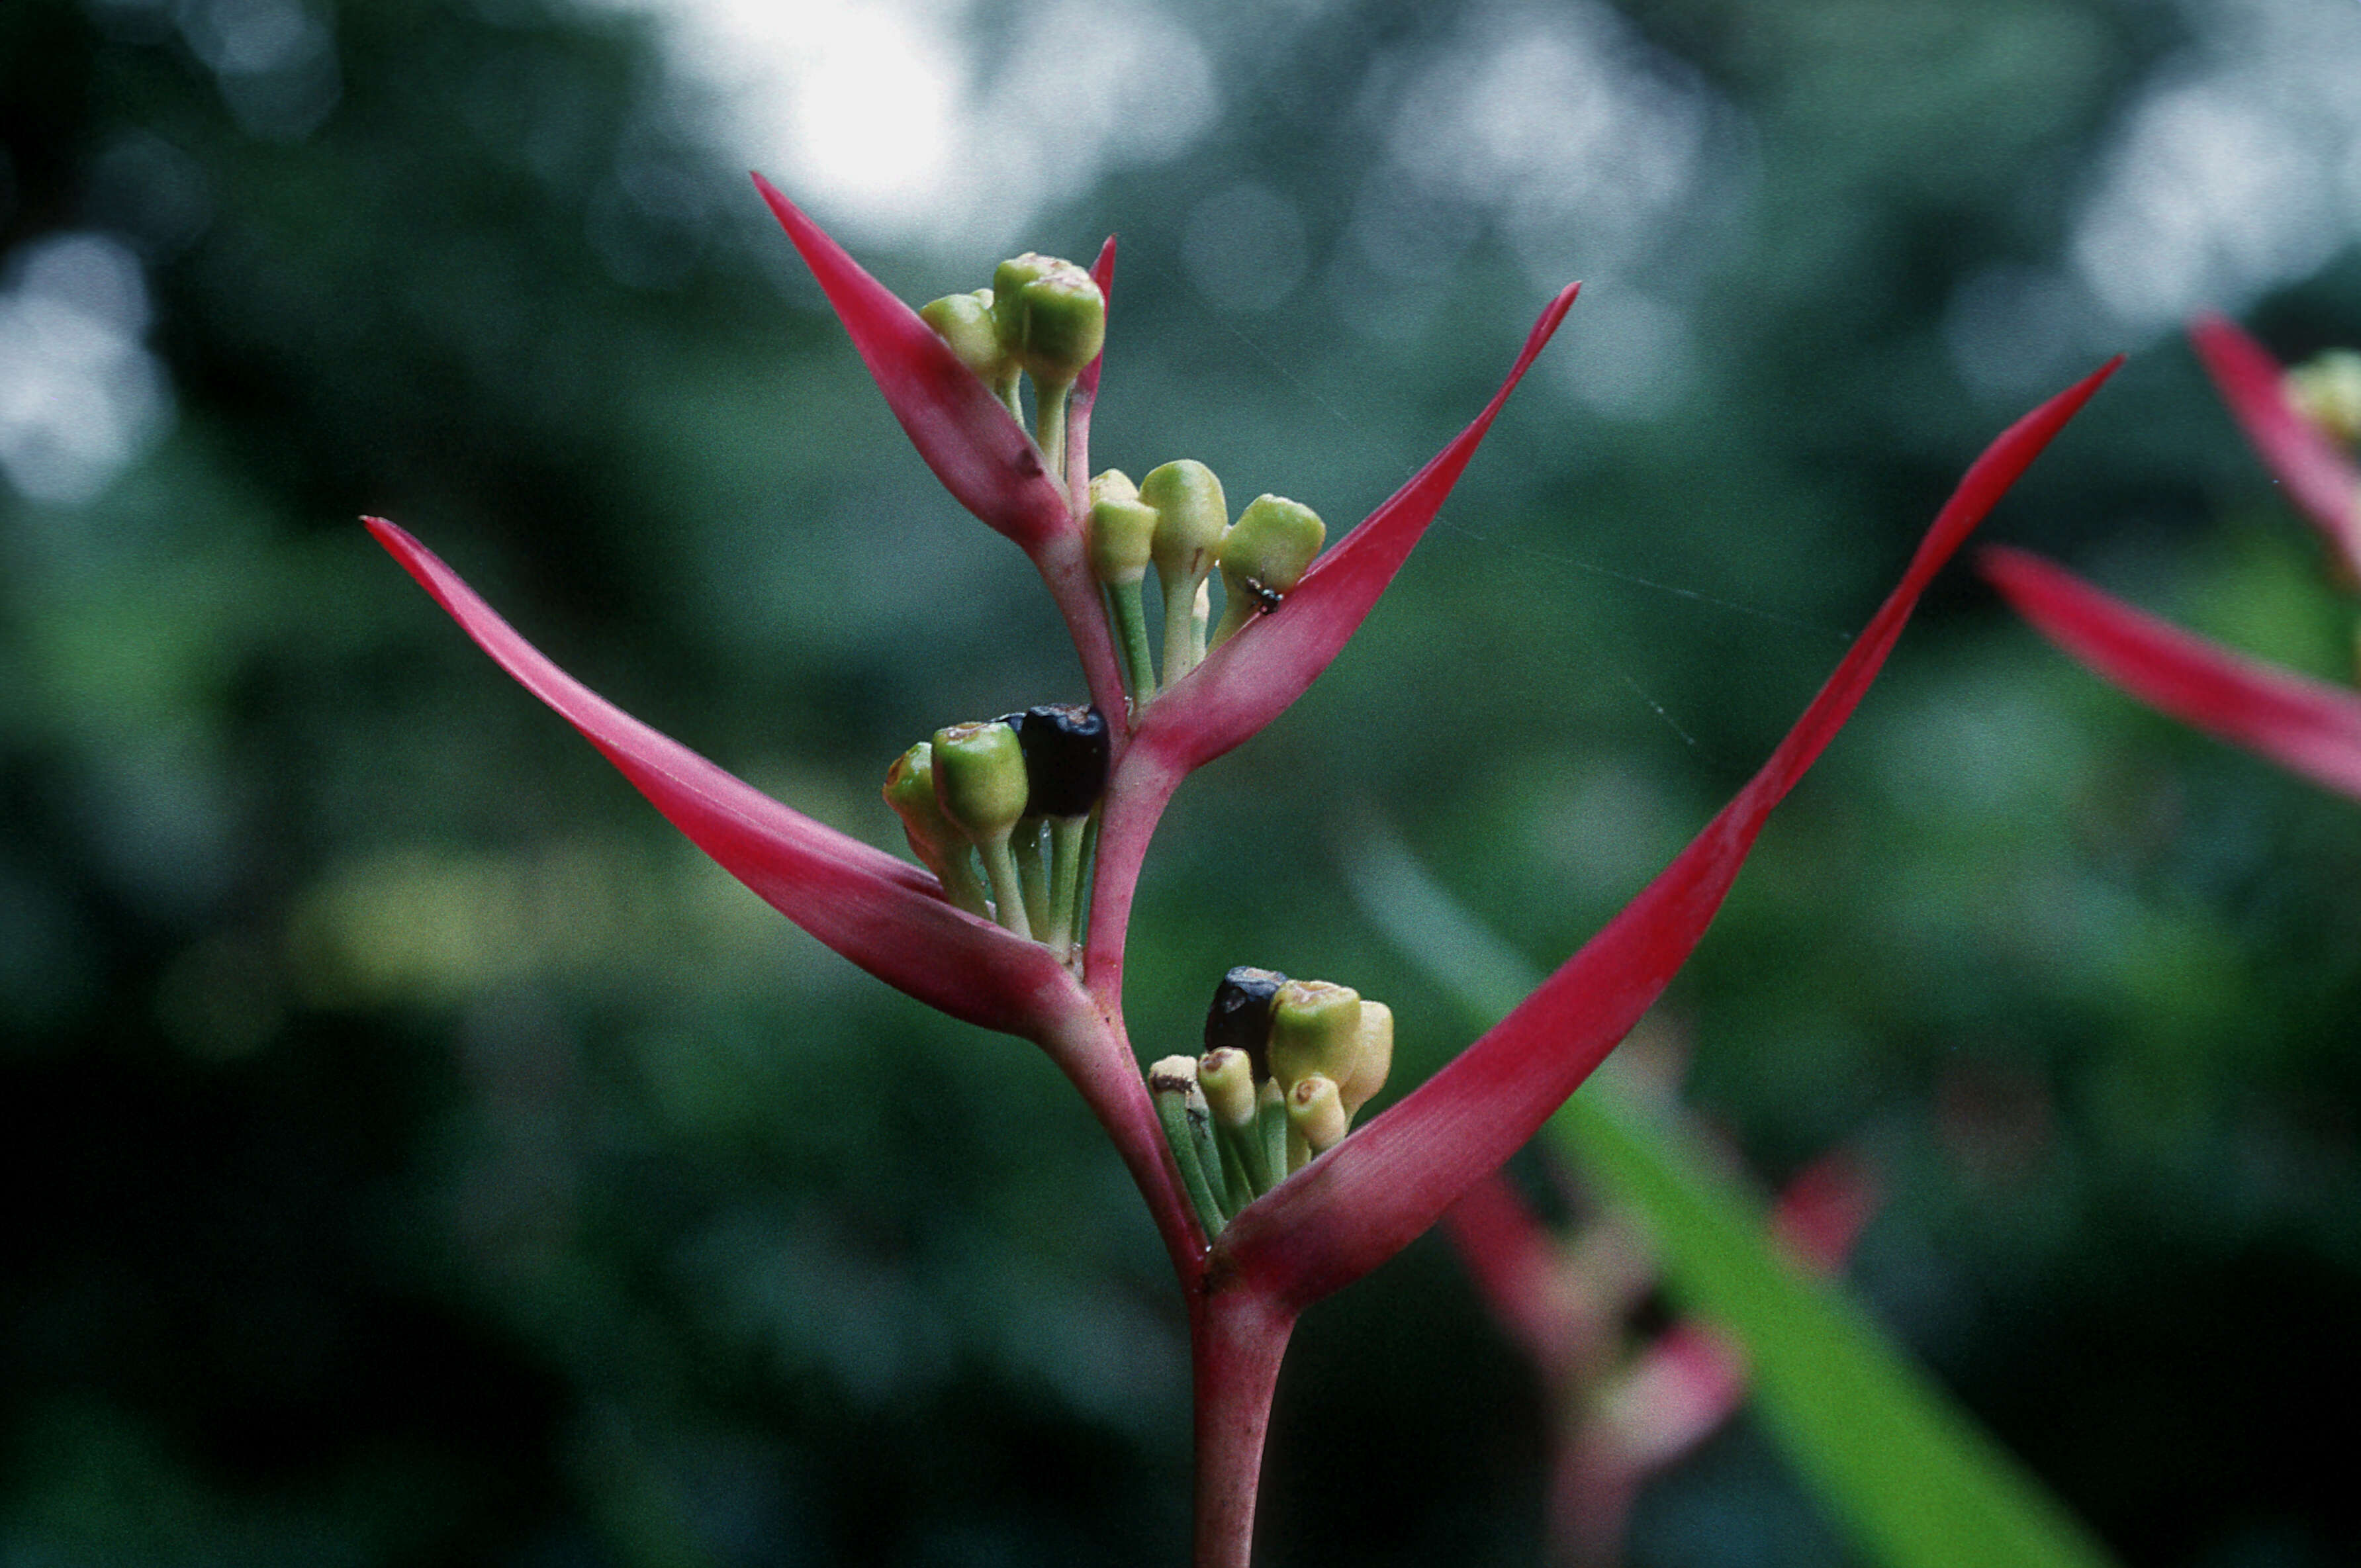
{"x": 1095, "y": 1055}
{"x": 1138, "y": 788}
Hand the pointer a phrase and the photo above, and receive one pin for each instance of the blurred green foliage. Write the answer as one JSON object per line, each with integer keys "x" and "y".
{"x": 418, "y": 1155}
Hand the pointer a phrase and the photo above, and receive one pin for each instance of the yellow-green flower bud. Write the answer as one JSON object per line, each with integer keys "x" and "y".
{"x": 1227, "y": 1078}
{"x": 1192, "y": 514}
{"x": 1315, "y": 1027}
{"x": 941, "y": 847}
{"x": 1373, "y": 1057}
{"x": 1122, "y": 528}
{"x": 964, "y": 321}
{"x": 1049, "y": 315}
{"x": 1263, "y": 555}
{"x": 2327, "y": 388}
{"x": 980, "y": 778}
{"x": 1317, "y": 1113}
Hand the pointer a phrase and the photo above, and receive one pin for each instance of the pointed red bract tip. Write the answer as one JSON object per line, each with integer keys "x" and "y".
{"x": 1086, "y": 386}
{"x": 884, "y": 915}
{"x": 1374, "y": 1193}
{"x": 959, "y": 427}
{"x": 2320, "y": 480}
{"x": 2306, "y": 726}
{"x": 1252, "y": 679}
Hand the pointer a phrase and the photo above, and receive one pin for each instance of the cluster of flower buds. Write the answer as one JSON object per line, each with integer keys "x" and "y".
{"x": 1287, "y": 1064}
{"x": 1178, "y": 519}
{"x": 1042, "y": 317}
{"x": 2327, "y": 390}
{"x": 1019, "y": 793}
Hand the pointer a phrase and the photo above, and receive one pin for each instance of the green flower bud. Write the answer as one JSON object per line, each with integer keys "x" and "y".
{"x": 1049, "y": 315}
{"x": 1192, "y": 514}
{"x": 1227, "y": 1078}
{"x": 964, "y": 321}
{"x": 1373, "y": 1057}
{"x": 1122, "y": 528}
{"x": 1240, "y": 1018}
{"x": 1315, "y": 1027}
{"x": 1065, "y": 747}
{"x": 1316, "y": 1112}
{"x": 2327, "y": 390}
{"x": 980, "y": 778}
{"x": 910, "y": 791}
{"x": 1263, "y": 557}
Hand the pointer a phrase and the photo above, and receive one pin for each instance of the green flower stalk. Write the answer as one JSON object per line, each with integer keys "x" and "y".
{"x": 980, "y": 785}
{"x": 938, "y": 842}
{"x": 1180, "y": 1107}
{"x": 1191, "y": 515}
{"x": 1263, "y": 555}
{"x": 1121, "y": 529}
{"x": 1271, "y": 1129}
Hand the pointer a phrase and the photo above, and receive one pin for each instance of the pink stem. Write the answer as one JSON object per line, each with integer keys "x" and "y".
{"x": 1141, "y": 784}
{"x": 1236, "y": 1338}
{"x": 1064, "y": 565}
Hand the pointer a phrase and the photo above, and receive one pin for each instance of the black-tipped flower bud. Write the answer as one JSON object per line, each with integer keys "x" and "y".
{"x": 1316, "y": 1111}
{"x": 1192, "y": 514}
{"x": 1263, "y": 555}
{"x": 1373, "y": 1057}
{"x": 1122, "y": 528}
{"x": 1049, "y": 315}
{"x": 964, "y": 321}
{"x": 1065, "y": 746}
{"x": 2327, "y": 390}
{"x": 1239, "y": 1019}
{"x": 1315, "y": 1027}
{"x": 980, "y": 778}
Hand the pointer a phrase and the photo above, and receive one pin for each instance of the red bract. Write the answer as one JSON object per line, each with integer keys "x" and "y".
{"x": 883, "y": 913}
{"x": 982, "y": 456}
{"x": 987, "y": 462}
{"x": 1368, "y": 1198}
{"x": 1363, "y": 1200}
{"x": 2324, "y": 483}
{"x": 2306, "y": 726}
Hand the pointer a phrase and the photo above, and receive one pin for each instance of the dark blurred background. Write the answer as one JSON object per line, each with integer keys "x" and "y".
{"x": 415, "y": 1154}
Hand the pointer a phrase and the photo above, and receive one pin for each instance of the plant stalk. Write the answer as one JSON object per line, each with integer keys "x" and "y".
{"x": 1236, "y": 1337}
